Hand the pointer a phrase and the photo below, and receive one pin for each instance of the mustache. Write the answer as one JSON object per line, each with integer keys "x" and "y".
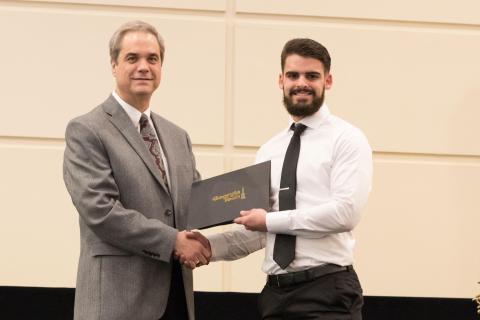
{"x": 301, "y": 90}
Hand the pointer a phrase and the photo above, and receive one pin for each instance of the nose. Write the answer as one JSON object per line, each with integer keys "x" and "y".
{"x": 142, "y": 65}
{"x": 302, "y": 81}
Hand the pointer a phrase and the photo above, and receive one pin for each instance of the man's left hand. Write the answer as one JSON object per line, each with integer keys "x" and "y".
{"x": 254, "y": 219}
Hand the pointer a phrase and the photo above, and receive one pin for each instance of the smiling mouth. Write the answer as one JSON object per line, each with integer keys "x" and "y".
{"x": 302, "y": 92}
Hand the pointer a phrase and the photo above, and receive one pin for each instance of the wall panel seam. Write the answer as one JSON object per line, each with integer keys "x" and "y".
{"x": 305, "y": 19}
{"x": 107, "y": 8}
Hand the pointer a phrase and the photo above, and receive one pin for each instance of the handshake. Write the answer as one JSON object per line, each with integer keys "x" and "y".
{"x": 192, "y": 249}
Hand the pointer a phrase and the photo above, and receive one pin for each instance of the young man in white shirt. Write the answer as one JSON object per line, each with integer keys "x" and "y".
{"x": 330, "y": 185}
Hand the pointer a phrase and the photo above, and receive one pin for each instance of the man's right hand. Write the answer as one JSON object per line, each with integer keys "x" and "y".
{"x": 192, "y": 249}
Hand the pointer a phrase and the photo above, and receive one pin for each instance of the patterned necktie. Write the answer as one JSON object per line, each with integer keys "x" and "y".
{"x": 284, "y": 248}
{"x": 153, "y": 145}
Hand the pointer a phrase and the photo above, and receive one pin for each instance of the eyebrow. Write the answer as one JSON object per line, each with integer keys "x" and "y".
{"x": 308, "y": 72}
{"x": 128, "y": 54}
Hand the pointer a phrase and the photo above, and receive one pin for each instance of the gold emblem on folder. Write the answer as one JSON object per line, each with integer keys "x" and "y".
{"x": 234, "y": 195}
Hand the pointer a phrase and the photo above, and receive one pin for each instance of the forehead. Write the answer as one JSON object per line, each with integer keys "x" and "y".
{"x": 137, "y": 41}
{"x": 298, "y": 63}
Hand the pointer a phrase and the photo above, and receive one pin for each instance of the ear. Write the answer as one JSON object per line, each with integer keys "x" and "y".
{"x": 328, "y": 81}
{"x": 280, "y": 81}
{"x": 114, "y": 68}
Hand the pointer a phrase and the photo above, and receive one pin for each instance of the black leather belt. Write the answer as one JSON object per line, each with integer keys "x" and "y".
{"x": 291, "y": 278}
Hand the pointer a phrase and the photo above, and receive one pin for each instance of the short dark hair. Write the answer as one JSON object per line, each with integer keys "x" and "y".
{"x": 306, "y": 48}
{"x": 133, "y": 26}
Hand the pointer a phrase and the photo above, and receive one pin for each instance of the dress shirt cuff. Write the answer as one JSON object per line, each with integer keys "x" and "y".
{"x": 278, "y": 221}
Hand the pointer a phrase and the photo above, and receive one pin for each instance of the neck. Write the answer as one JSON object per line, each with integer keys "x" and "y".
{"x": 139, "y": 102}
{"x": 297, "y": 118}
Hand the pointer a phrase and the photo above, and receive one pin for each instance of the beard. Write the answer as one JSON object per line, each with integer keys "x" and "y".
{"x": 302, "y": 109}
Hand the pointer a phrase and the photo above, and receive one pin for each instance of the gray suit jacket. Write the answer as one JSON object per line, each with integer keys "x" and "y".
{"x": 126, "y": 213}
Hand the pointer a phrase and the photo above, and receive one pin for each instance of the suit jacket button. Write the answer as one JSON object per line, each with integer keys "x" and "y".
{"x": 168, "y": 212}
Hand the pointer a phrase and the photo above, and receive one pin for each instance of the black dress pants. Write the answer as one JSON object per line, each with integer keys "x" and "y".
{"x": 177, "y": 303}
{"x": 335, "y": 296}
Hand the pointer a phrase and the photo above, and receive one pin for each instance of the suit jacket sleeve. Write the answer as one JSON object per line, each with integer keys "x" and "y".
{"x": 89, "y": 180}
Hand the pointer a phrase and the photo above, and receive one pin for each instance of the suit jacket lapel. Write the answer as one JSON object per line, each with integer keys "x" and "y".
{"x": 122, "y": 122}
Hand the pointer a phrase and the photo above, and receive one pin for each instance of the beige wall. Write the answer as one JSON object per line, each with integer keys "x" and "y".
{"x": 405, "y": 73}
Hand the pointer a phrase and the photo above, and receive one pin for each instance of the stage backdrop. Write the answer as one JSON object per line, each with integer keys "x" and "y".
{"x": 405, "y": 72}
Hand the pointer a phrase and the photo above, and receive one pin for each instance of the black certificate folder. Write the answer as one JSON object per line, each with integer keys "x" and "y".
{"x": 219, "y": 200}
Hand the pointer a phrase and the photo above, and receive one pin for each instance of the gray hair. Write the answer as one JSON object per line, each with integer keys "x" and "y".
{"x": 133, "y": 26}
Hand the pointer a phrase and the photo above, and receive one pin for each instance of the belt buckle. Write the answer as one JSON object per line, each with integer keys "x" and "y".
{"x": 274, "y": 280}
{"x": 276, "y": 277}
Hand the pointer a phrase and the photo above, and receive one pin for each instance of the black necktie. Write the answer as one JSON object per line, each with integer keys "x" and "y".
{"x": 284, "y": 248}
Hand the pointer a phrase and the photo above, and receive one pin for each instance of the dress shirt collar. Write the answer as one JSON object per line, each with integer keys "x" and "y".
{"x": 315, "y": 120}
{"x": 132, "y": 112}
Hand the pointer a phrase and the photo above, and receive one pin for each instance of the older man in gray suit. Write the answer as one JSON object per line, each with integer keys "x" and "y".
{"x": 129, "y": 173}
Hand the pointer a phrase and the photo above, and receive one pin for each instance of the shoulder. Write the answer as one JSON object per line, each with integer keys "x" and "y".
{"x": 348, "y": 136}
{"x": 166, "y": 128}
{"x": 91, "y": 121}
{"x": 166, "y": 124}
{"x": 271, "y": 146}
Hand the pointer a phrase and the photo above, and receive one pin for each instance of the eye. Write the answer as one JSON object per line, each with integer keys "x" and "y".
{"x": 312, "y": 76}
{"x": 153, "y": 59}
{"x": 292, "y": 75}
{"x": 131, "y": 58}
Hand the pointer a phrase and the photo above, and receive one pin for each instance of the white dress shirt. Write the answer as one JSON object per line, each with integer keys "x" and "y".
{"x": 135, "y": 116}
{"x": 334, "y": 174}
